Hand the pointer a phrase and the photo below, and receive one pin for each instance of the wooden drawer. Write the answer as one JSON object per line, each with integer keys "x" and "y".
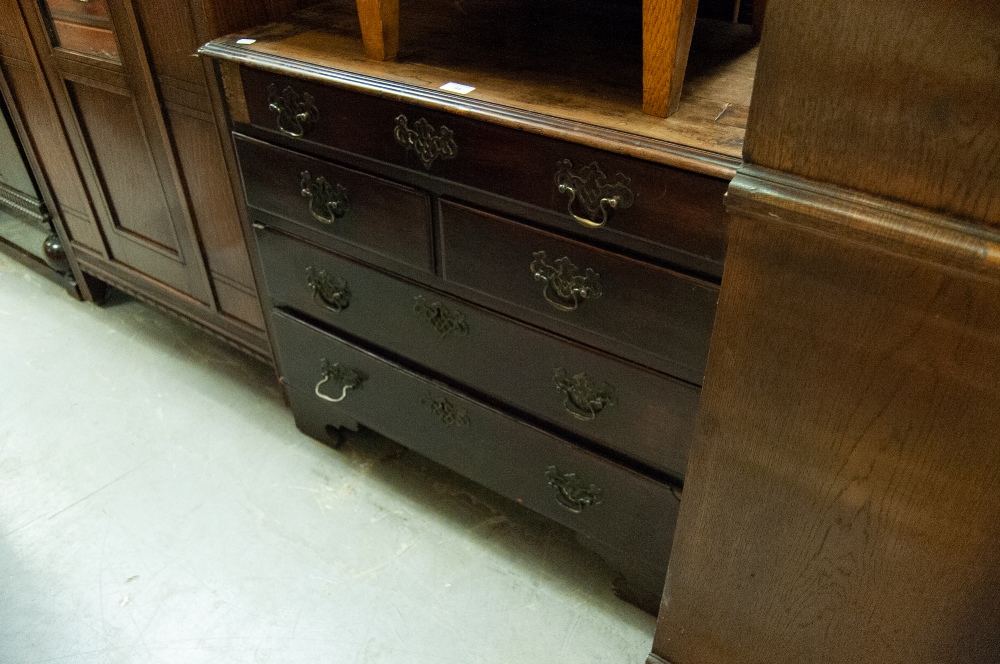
{"x": 317, "y": 199}
{"x": 644, "y": 415}
{"x": 620, "y": 301}
{"x": 625, "y": 511}
{"x": 663, "y": 211}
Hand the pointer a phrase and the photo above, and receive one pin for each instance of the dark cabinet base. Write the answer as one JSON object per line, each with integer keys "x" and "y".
{"x": 636, "y": 582}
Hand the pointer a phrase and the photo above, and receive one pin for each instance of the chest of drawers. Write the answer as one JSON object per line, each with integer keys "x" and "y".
{"x": 532, "y": 312}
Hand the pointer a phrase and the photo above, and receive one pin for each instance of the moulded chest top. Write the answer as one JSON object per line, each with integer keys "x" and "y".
{"x": 568, "y": 70}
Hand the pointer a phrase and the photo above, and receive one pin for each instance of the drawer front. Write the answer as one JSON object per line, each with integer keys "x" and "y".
{"x": 622, "y": 301}
{"x": 624, "y": 510}
{"x": 318, "y": 199}
{"x": 644, "y": 415}
{"x": 608, "y": 197}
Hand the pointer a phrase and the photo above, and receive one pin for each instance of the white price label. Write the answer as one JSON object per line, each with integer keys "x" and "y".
{"x": 457, "y": 87}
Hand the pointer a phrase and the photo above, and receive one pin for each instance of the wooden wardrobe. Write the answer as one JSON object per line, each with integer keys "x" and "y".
{"x": 122, "y": 116}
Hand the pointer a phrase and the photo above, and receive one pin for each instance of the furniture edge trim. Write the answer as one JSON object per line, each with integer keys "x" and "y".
{"x": 17, "y": 202}
{"x": 899, "y": 228}
{"x": 656, "y": 659}
{"x": 612, "y": 140}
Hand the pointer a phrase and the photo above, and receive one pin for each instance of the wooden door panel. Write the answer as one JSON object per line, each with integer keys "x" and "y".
{"x": 214, "y": 206}
{"x": 38, "y": 112}
{"x": 203, "y": 169}
{"x": 124, "y": 163}
{"x": 171, "y": 50}
{"x": 86, "y": 39}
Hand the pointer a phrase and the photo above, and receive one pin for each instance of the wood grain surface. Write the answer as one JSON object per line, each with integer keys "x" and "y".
{"x": 379, "y": 27}
{"x": 896, "y": 98}
{"x": 667, "y": 27}
{"x": 841, "y": 495}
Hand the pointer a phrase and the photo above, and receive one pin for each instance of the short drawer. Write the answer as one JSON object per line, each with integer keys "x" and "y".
{"x": 620, "y": 301}
{"x": 666, "y": 212}
{"x": 642, "y": 414}
{"x": 318, "y": 199}
{"x": 620, "y": 508}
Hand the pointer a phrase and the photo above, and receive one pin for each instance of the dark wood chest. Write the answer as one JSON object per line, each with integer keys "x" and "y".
{"x": 530, "y": 306}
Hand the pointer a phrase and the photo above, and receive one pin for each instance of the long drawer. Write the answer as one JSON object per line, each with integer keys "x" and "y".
{"x": 644, "y": 415}
{"x": 320, "y": 199}
{"x": 637, "y": 204}
{"x": 623, "y": 510}
{"x": 624, "y": 302}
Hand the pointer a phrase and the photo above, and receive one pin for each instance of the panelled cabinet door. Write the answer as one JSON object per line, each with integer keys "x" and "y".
{"x": 106, "y": 93}
{"x": 168, "y": 32}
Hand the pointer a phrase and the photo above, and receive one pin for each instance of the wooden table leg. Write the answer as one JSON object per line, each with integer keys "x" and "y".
{"x": 667, "y": 26}
{"x": 379, "y": 28}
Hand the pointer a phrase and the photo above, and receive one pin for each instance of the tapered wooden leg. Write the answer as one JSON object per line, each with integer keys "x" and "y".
{"x": 379, "y": 28}
{"x": 667, "y": 26}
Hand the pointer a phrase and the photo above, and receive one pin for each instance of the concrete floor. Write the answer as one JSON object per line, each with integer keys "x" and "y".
{"x": 157, "y": 504}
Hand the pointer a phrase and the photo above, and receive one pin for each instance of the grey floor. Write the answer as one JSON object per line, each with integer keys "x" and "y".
{"x": 157, "y": 504}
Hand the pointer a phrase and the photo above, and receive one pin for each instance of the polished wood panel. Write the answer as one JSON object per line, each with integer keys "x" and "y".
{"x": 921, "y": 128}
{"x": 634, "y": 519}
{"x": 76, "y": 8}
{"x": 650, "y": 420}
{"x": 86, "y": 39}
{"x": 212, "y": 200}
{"x": 112, "y": 127}
{"x": 845, "y": 511}
{"x": 236, "y": 302}
{"x": 660, "y": 313}
{"x": 840, "y": 503}
{"x": 168, "y": 31}
{"x": 381, "y": 216}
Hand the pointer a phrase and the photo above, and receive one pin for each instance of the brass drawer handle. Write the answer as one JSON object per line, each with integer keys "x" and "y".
{"x": 348, "y": 379}
{"x": 329, "y": 291}
{"x": 450, "y": 414}
{"x": 430, "y": 144}
{"x": 572, "y": 492}
{"x": 583, "y": 398}
{"x": 327, "y": 202}
{"x": 565, "y": 286}
{"x": 296, "y": 113}
{"x": 446, "y": 321}
{"x": 589, "y": 188}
